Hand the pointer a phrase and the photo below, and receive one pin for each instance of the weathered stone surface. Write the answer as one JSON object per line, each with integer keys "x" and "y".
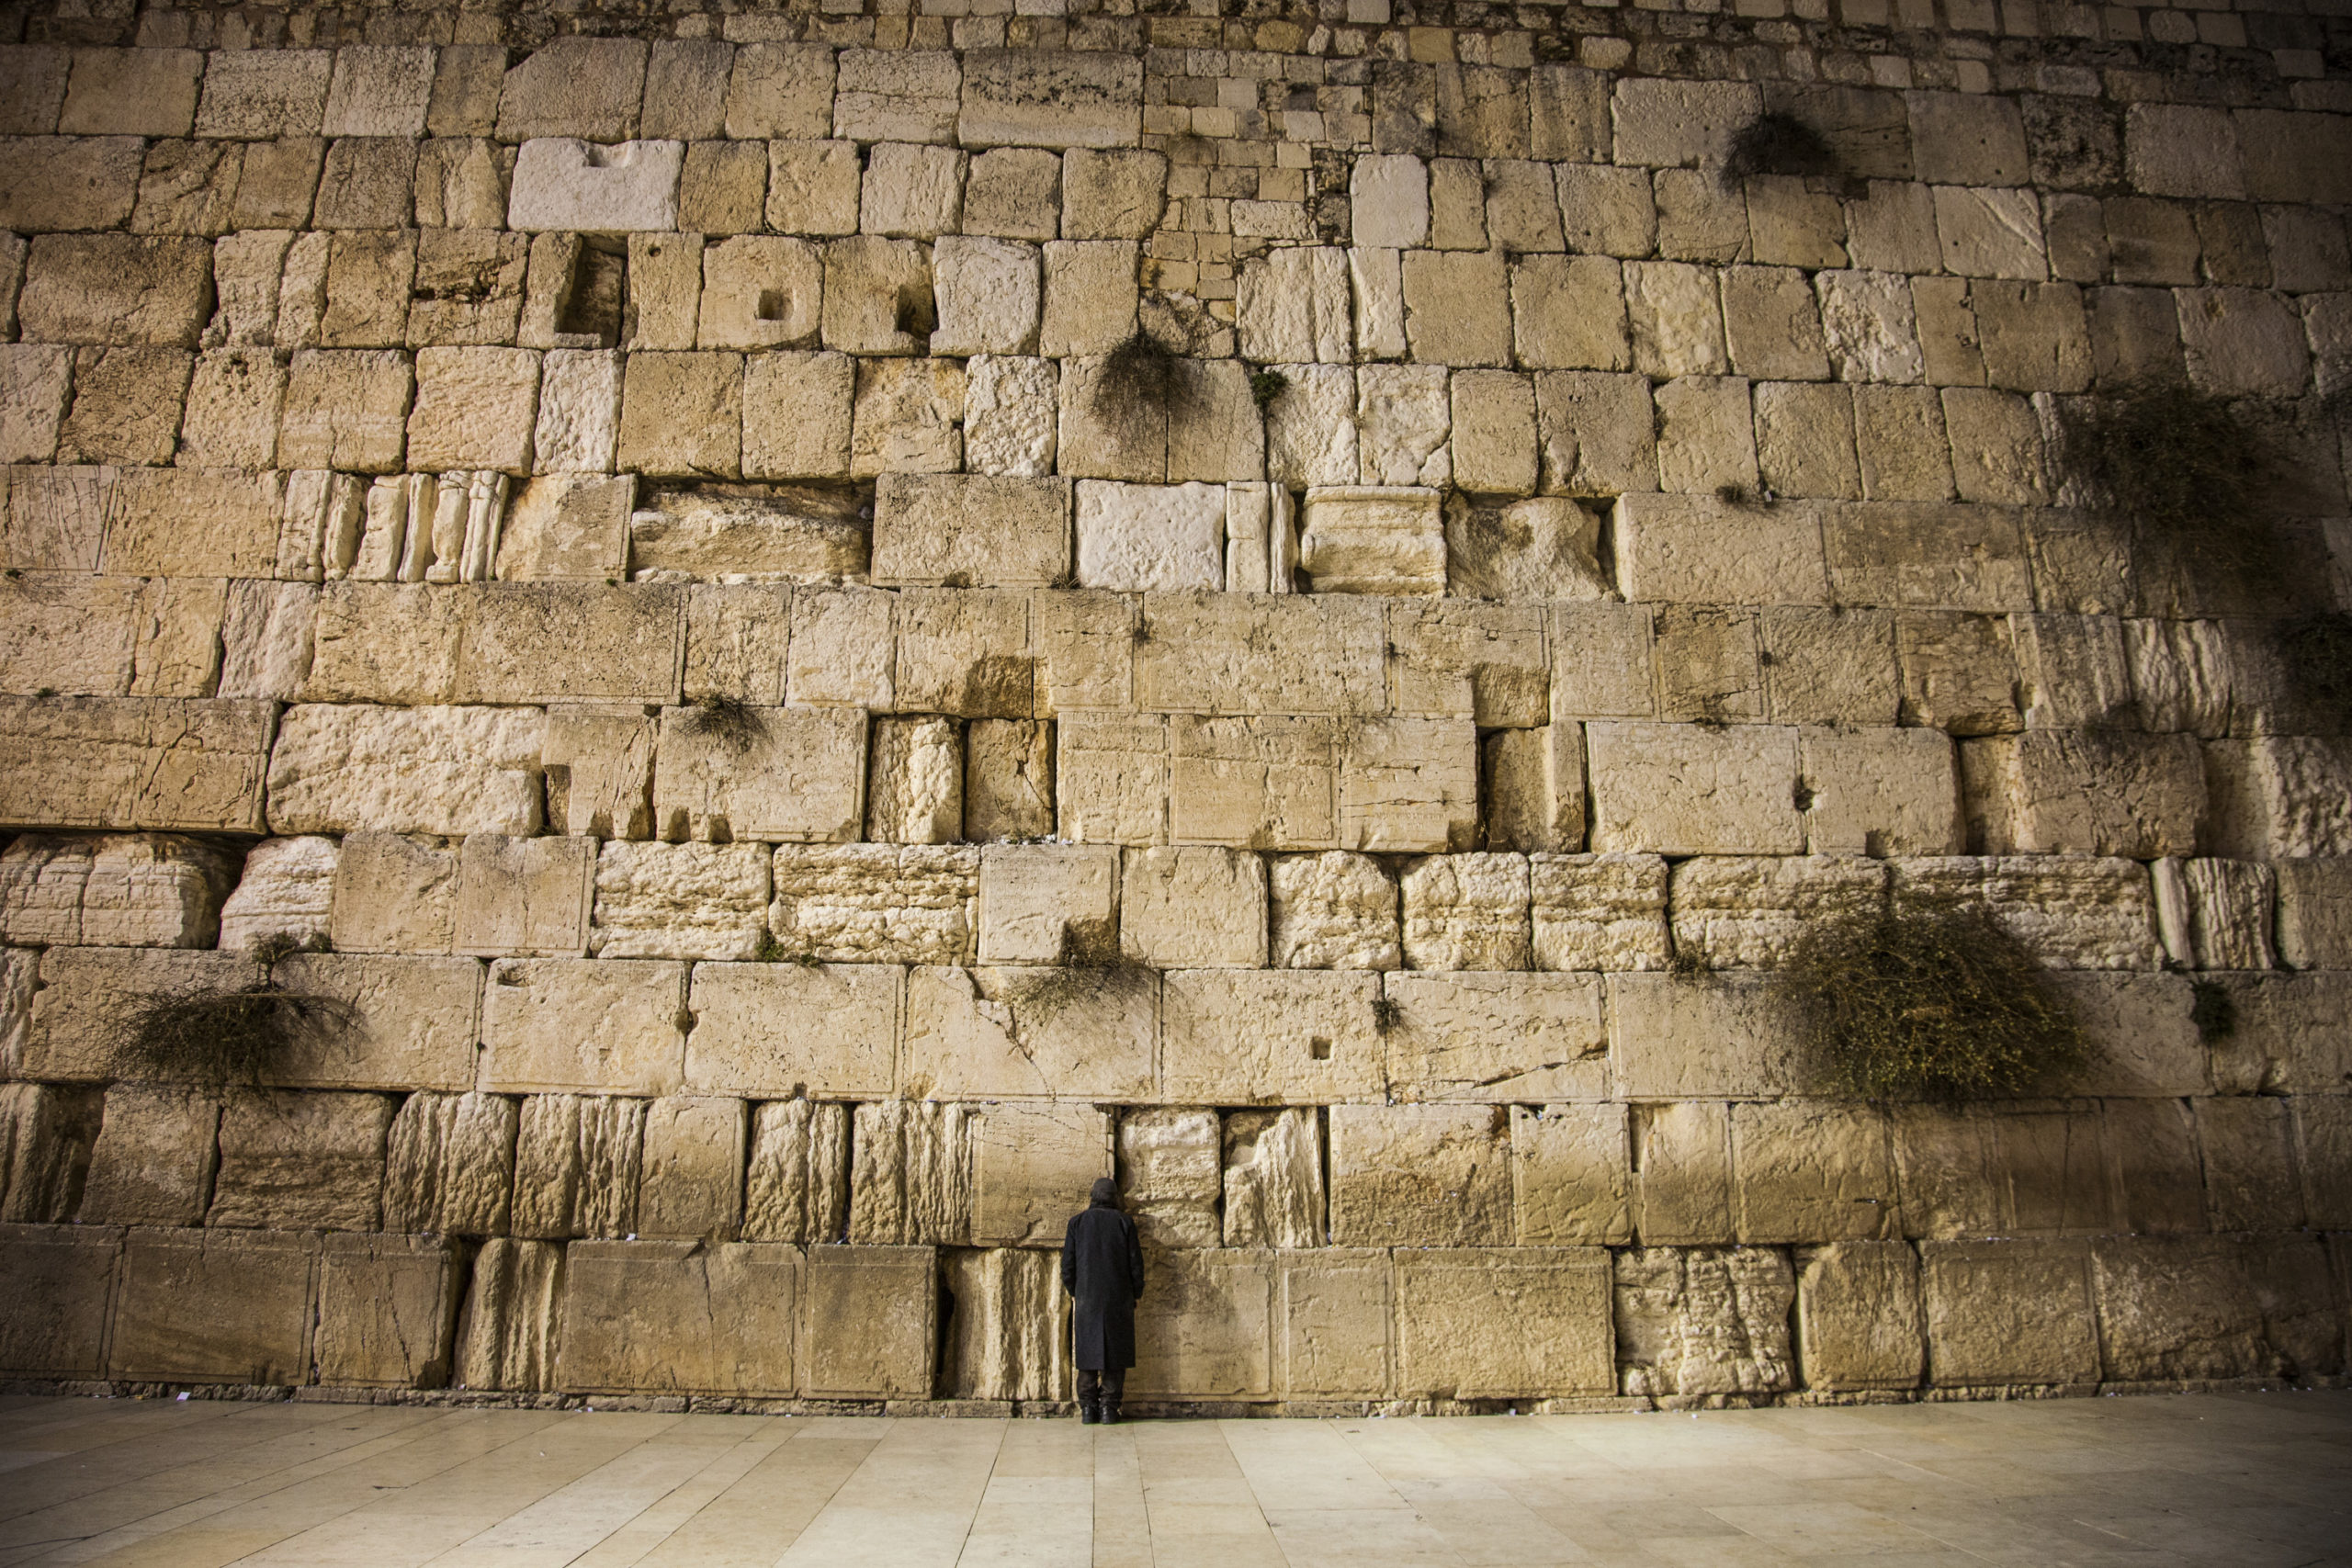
{"x": 1542, "y": 548}
{"x": 911, "y": 1181}
{"x": 915, "y": 782}
{"x": 115, "y": 289}
{"x": 509, "y": 1328}
{"x": 1605, "y": 911}
{"x": 2073, "y": 913}
{"x": 61, "y": 1281}
{"x": 1009, "y": 1337}
{"x": 675, "y": 1316}
{"x": 693, "y": 900}
{"x": 1025, "y": 97}
{"x": 1008, "y": 779}
{"x": 878, "y": 903}
{"x": 1466, "y": 912}
{"x": 1812, "y": 1170}
{"x": 1571, "y": 1183}
{"x": 1247, "y": 654}
{"x": 1204, "y": 1325}
{"x": 1496, "y": 1323}
{"x": 2009, "y": 1312}
{"x": 429, "y": 770}
{"x": 577, "y": 1161}
{"x": 394, "y": 894}
{"x": 1268, "y": 782}
{"x": 1031, "y": 1165}
{"x": 797, "y": 1189}
{"x": 450, "y": 1163}
{"x": 46, "y": 1132}
{"x": 1150, "y": 538}
{"x": 1273, "y": 1179}
{"x": 1333, "y": 910}
{"x": 1858, "y": 1317}
{"x": 1670, "y": 1038}
{"x": 132, "y": 763}
{"x": 117, "y": 890}
{"x": 1076, "y": 1032}
{"x": 524, "y": 897}
{"x": 2315, "y": 913}
{"x": 153, "y": 1159}
{"x": 1243, "y": 1037}
{"x": 1741, "y": 913}
{"x": 1705, "y": 1321}
{"x": 575, "y": 187}
{"x": 1192, "y": 908}
{"x": 1420, "y": 1176}
{"x": 1495, "y": 1038}
{"x": 1367, "y": 540}
{"x": 2279, "y": 798}
{"x": 599, "y": 770}
{"x": 1170, "y": 1175}
{"x": 71, "y": 1031}
{"x": 769, "y": 1031}
{"x": 1047, "y": 903}
{"x": 801, "y": 779}
{"x": 690, "y": 1175}
{"x": 302, "y": 1161}
{"x": 1010, "y": 415}
{"x": 986, "y": 531}
{"x": 583, "y": 1026}
{"x": 2214, "y": 1307}
{"x": 1683, "y": 790}
{"x": 1293, "y": 307}
{"x": 1407, "y": 784}
{"x": 2249, "y": 1171}
{"x": 869, "y": 1326}
{"x": 1878, "y": 791}
{"x": 965, "y": 653}
{"x": 215, "y": 1306}
{"x": 386, "y": 1308}
{"x": 2057, "y": 791}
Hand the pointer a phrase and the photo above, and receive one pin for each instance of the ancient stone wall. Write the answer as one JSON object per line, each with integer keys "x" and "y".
{"x": 830, "y": 624}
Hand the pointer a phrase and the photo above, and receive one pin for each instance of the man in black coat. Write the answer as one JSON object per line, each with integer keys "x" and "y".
{"x": 1103, "y": 1271}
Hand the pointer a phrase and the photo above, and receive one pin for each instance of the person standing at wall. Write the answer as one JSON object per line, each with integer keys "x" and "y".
{"x": 1103, "y": 1271}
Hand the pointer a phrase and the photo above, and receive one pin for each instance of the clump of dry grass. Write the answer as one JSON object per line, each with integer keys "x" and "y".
{"x": 1779, "y": 143}
{"x": 222, "y": 1039}
{"x": 1926, "y": 1000}
{"x": 730, "y": 721}
{"x": 1265, "y": 386}
{"x": 1143, "y": 375}
{"x": 2213, "y": 1010}
{"x": 1090, "y": 964}
{"x": 2178, "y": 466}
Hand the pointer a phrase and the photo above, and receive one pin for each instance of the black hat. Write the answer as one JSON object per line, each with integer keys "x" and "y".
{"x": 1105, "y": 1194}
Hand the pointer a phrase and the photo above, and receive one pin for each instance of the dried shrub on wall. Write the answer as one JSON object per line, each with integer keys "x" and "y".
{"x": 1143, "y": 375}
{"x": 2178, "y": 466}
{"x": 1779, "y": 143}
{"x": 1926, "y": 1000}
{"x": 1090, "y": 964}
{"x": 220, "y": 1039}
{"x": 2317, "y": 650}
{"x": 729, "y": 721}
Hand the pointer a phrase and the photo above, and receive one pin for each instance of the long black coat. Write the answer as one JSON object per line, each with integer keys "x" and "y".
{"x": 1103, "y": 1271}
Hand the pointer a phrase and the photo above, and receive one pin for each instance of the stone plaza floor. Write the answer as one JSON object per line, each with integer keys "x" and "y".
{"x": 2246, "y": 1480}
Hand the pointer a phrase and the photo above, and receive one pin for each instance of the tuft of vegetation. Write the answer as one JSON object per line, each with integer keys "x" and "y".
{"x": 269, "y": 949}
{"x": 1142, "y": 376}
{"x": 2213, "y": 1010}
{"x": 1387, "y": 1017}
{"x": 729, "y": 721}
{"x": 1779, "y": 143}
{"x": 1090, "y": 964}
{"x": 1733, "y": 493}
{"x": 2175, "y": 465}
{"x": 1265, "y": 386}
{"x": 224, "y": 1039}
{"x": 1926, "y": 1000}
{"x": 2317, "y": 651}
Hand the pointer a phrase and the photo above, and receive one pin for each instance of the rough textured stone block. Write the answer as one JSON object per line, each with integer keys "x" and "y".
{"x": 1570, "y": 1179}
{"x": 302, "y": 1161}
{"x": 2073, "y": 912}
{"x": 46, "y": 1132}
{"x": 1009, "y": 1337}
{"x": 1880, "y": 792}
{"x": 394, "y": 894}
{"x": 1170, "y": 1174}
{"x": 2315, "y": 913}
{"x": 1858, "y": 1317}
{"x": 1333, "y": 910}
{"x": 115, "y": 289}
{"x": 132, "y": 763}
{"x": 761, "y": 292}
{"x": 120, "y": 890}
{"x": 1008, "y": 779}
{"x": 1150, "y": 538}
{"x": 1496, "y": 1323}
{"x": 1332, "y": 1333}
{"x": 1365, "y": 540}
{"x": 1040, "y": 98}
{"x": 583, "y": 1025}
{"x": 2057, "y": 791}
{"x": 1420, "y": 1176}
{"x": 1031, "y": 1165}
{"x": 693, "y": 900}
{"x": 61, "y": 1281}
{"x": 1670, "y": 1038}
{"x": 1273, "y": 1179}
{"x": 1261, "y": 783}
{"x": 1705, "y": 1321}
{"x": 2278, "y": 798}
{"x": 1204, "y": 1327}
{"x": 1682, "y": 790}
{"x": 1466, "y": 912}
{"x": 429, "y": 770}
{"x": 1495, "y": 1038}
{"x": 508, "y": 1328}
{"x": 878, "y": 903}
{"x": 1812, "y": 1172}
{"x": 215, "y": 1306}
{"x": 152, "y": 1162}
{"x": 577, "y": 1159}
{"x": 1605, "y": 911}
{"x": 387, "y": 1306}
{"x": 1079, "y": 1033}
{"x": 2009, "y": 1312}
{"x": 2172, "y": 1307}
{"x": 796, "y": 1187}
{"x": 691, "y": 1178}
{"x": 1740, "y": 913}
{"x": 980, "y": 530}
{"x": 1407, "y": 784}
{"x": 1192, "y": 908}
{"x": 801, "y": 778}
{"x": 675, "y": 1317}
{"x": 450, "y": 1163}
{"x": 1047, "y": 903}
{"x": 770, "y": 1031}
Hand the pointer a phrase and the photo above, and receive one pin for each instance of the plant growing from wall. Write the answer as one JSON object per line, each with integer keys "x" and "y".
{"x": 2177, "y": 467}
{"x": 2213, "y": 1010}
{"x": 2317, "y": 651}
{"x": 1265, "y": 386}
{"x": 729, "y": 721}
{"x": 1779, "y": 143}
{"x": 1144, "y": 377}
{"x": 229, "y": 1038}
{"x": 1923, "y": 999}
{"x": 1092, "y": 963}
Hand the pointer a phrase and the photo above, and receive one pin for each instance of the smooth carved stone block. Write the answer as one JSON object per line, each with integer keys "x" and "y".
{"x": 1170, "y": 1174}
{"x": 1605, "y": 911}
{"x": 878, "y": 903}
{"x": 71, "y": 1031}
{"x": 1466, "y": 912}
{"x": 1496, "y": 1038}
{"x": 1273, "y": 1179}
{"x": 429, "y": 770}
{"x": 1048, "y": 903}
{"x": 1732, "y": 912}
{"x": 983, "y": 530}
{"x": 773, "y": 1031}
{"x": 1270, "y": 782}
{"x": 1858, "y": 1323}
{"x": 524, "y": 897}
{"x": 1671, "y": 1039}
{"x": 2005, "y": 1313}
{"x": 1685, "y": 790}
{"x": 690, "y": 1181}
{"x": 1069, "y": 1033}
{"x": 577, "y": 187}
{"x": 1008, "y": 779}
{"x": 1365, "y": 540}
{"x": 796, "y": 1187}
{"x": 1813, "y": 1171}
{"x": 1672, "y": 548}
{"x": 394, "y": 894}
{"x": 1420, "y": 1176}
{"x": 1228, "y": 653}
{"x": 869, "y": 1323}
{"x": 302, "y": 1161}
{"x": 132, "y": 763}
{"x": 1032, "y": 1168}
{"x": 1878, "y": 792}
{"x": 1497, "y": 1323}
{"x": 675, "y": 1316}
{"x": 1192, "y": 908}
{"x": 801, "y": 779}
{"x": 1203, "y": 1327}
{"x": 508, "y": 1329}
{"x": 60, "y": 1280}
{"x": 1705, "y": 1321}
{"x": 1333, "y": 910}
{"x": 1571, "y": 1179}
{"x": 1258, "y": 1037}
{"x": 1407, "y": 784}
{"x": 414, "y": 1022}
{"x": 450, "y": 1165}
{"x": 1332, "y": 1335}
{"x": 652, "y": 900}
{"x": 215, "y": 1306}
{"x": 387, "y": 1306}
{"x": 584, "y": 1026}
{"x": 153, "y": 1160}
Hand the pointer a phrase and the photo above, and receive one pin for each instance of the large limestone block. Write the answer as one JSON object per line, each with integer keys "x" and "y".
{"x": 578, "y": 186}
{"x": 1085, "y": 648}
{"x": 1453, "y": 659}
{"x": 1333, "y": 910}
{"x": 584, "y": 1026}
{"x": 1457, "y": 308}
{"x": 1192, "y": 908}
{"x": 508, "y": 1328}
{"x": 842, "y": 649}
{"x": 879, "y": 297}
{"x": 1111, "y": 778}
{"x": 1111, "y": 195}
{"x": 915, "y": 782}
{"x": 988, "y": 294}
{"x": 61, "y": 1283}
{"x": 215, "y": 1306}
{"x": 2216, "y": 914}
{"x": 1009, "y": 1336}
{"x": 1878, "y": 792}
{"x": 386, "y": 1305}
{"x": 1249, "y": 654}
{"x": 1332, "y": 1336}
{"x": 1810, "y": 1170}
{"x": 1070, "y": 1033}
{"x": 577, "y": 1159}
{"x": 1049, "y": 98}
{"x": 427, "y": 770}
{"x": 1420, "y": 1176}
{"x": 1150, "y": 538}
{"x": 1859, "y": 1322}
{"x": 287, "y": 887}
{"x": 761, "y": 292}
{"x": 2315, "y": 912}
{"x": 681, "y": 415}
{"x": 2072, "y": 913}
{"x": 772, "y": 1031}
{"x": 414, "y": 1022}
{"x": 903, "y": 418}
{"x": 2143, "y": 1042}
{"x": 132, "y": 763}
{"x": 71, "y": 182}
{"x": 599, "y": 770}
{"x": 301, "y": 1162}
{"x": 1010, "y": 415}
{"x": 1672, "y": 548}
{"x": 1682, "y": 1160}
{"x": 1360, "y": 539}
{"x": 46, "y": 1133}
{"x": 1257, "y": 1037}
{"x": 1008, "y": 779}
{"x": 1539, "y": 547}
{"x": 1495, "y": 1323}
{"x": 691, "y": 900}
{"x": 524, "y": 897}
{"x": 1032, "y": 1168}
{"x": 1673, "y": 1037}
{"x": 1409, "y": 785}
{"x": 1962, "y": 557}
{"x": 664, "y": 1317}
{"x": 450, "y": 1163}
{"x": 965, "y": 653}
{"x": 690, "y": 1175}
{"x": 1047, "y": 903}
{"x": 1014, "y": 192}
{"x": 2279, "y": 798}
{"x": 1705, "y": 1321}
{"x": 194, "y": 522}
{"x": 797, "y": 1185}
{"x": 1686, "y": 790}
{"x": 1204, "y": 1327}
{"x": 1403, "y": 418}
{"x": 1598, "y": 432}
{"x": 394, "y": 894}
{"x": 1496, "y": 1038}
{"x": 1466, "y": 912}
{"x": 1273, "y": 1179}
{"x": 1261, "y": 782}
{"x": 1293, "y": 308}
{"x": 118, "y": 890}
{"x": 797, "y": 422}
{"x": 2005, "y": 1313}
{"x": 1170, "y": 1173}
{"x": 69, "y": 1022}
{"x": 801, "y": 779}
{"x": 978, "y": 530}
{"x": 152, "y": 1162}
{"x": 2249, "y": 1171}
{"x": 1571, "y": 1182}
{"x": 345, "y": 409}
{"x": 115, "y": 289}
{"x": 410, "y": 643}
{"x": 2323, "y": 1154}
{"x": 911, "y": 1181}
{"x": 2174, "y": 1307}
{"x": 868, "y": 1324}
{"x": 1736, "y": 912}
{"x": 1603, "y": 911}
{"x": 878, "y": 903}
